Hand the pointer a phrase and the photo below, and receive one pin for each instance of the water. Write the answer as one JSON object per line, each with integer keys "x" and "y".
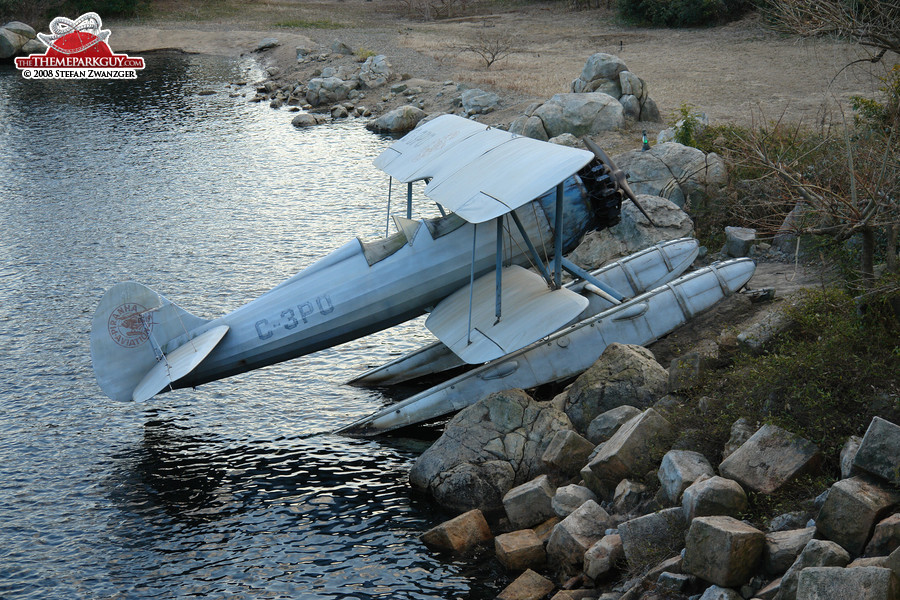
{"x": 236, "y": 489}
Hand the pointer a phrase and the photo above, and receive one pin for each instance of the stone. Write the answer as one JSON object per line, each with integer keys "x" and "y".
{"x": 771, "y": 458}
{"x": 893, "y": 562}
{"x": 783, "y": 547}
{"x": 566, "y": 139}
{"x": 761, "y": 333}
{"x": 684, "y": 371}
{"x": 529, "y": 126}
{"x": 308, "y": 120}
{"x": 339, "y": 112}
{"x": 520, "y": 550}
{"x": 848, "y": 455}
{"x": 885, "y": 538}
{"x": 674, "y": 582}
{"x": 715, "y": 496}
{"x": 650, "y": 112}
{"x": 631, "y": 106}
{"x": 569, "y": 497}
{"x": 10, "y": 42}
{"x": 769, "y": 591}
{"x": 529, "y": 504}
{"x": 715, "y": 592}
{"x": 527, "y": 586}
{"x": 580, "y": 114}
{"x": 864, "y": 583}
{"x": 741, "y": 431}
{"x": 572, "y": 536}
{"x": 816, "y": 553}
{"x": 625, "y": 374}
{"x": 374, "y": 72}
{"x": 678, "y": 470}
{"x": 869, "y": 561}
{"x": 879, "y": 450}
{"x": 738, "y": 241}
{"x": 544, "y": 530}
{"x": 602, "y": 558}
{"x": 673, "y": 171}
{"x": 631, "y": 84}
{"x": 633, "y": 232}
{"x": 602, "y": 66}
{"x": 459, "y": 534}
{"x": 33, "y": 47}
{"x": 326, "y": 90}
{"x": 607, "y": 423}
{"x": 634, "y": 449}
{"x": 792, "y": 520}
{"x": 651, "y": 537}
{"x": 399, "y": 120}
{"x": 567, "y": 452}
{"x": 339, "y": 47}
{"x": 487, "y": 449}
{"x": 479, "y": 102}
{"x": 851, "y": 510}
{"x": 23, "y": 29}
{"x": 722, "y": 550}
{"x": 267, "y": 43}
{"x": 628, "y": 495}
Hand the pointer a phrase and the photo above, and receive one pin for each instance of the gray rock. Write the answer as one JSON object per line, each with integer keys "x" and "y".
{"x": 399, "y": 120}
{"x": 722, "y": 550}
{"x": 741, "y": 431}
{"x": 569, "y": 498}
{"x": 326, "y": 90}
{"x": 23, "y": 29}
{"x": 851, "y": 510}
{"x": 566, "y": 139}
{"x": 628, "y": 496}
{"x": 479, "y": 102}
{"x": 757, "y": 336}
{"x": 885, "y": 538}
{"x": 529, "y": 126}
{"x": 650, "y": 113}
{"x": 580, "y": 114}
{"x": 715, "y": 592}
{"x": 625, "y": 374}
{"x": 520, "y": 550}
{"x": 632, "y": 85}
{"x": 738, "y": 241}
{"x": 339, "y": 47}
{"x": 633, "y": 232}
{"x": 651, "y": 537}
{"x": 10, "y": 42}
{"x": 684, "y": 371}
{"x": 673, "y": 171}
{"x": 339, "y": 112}
{"x": 848, "y": 455}
{"x": 792, "y": 520}
{"x": 674, "y": 582}
{"x": 266, "y": 43}
{"x": 607, "y": 423}
{"x": 529, "y": 504}
{"x": 375, "y": 72}
{"x": 567, "y": 452}
{"x": 602, "y": 66}
{"x": 863, "y": 583}
{"x": 783, "y": 548}
{"x": 678, "y": 470}
{"x": 714, "y": 496}
{"x": 34, "y": 47}
{"x": 634, "y": 449}
{"x": 575, "y": 534}
{"x": 879, "y": 450}
{"x": 631, "y": 106}
{"x": 816, "y": 553}
{"x": 487, "y": 449}
{"x": 602, "y": 558}
{"x": 308, "y": 120}
{"x": 527, "y": 586}
{"x": 769, "y": 459}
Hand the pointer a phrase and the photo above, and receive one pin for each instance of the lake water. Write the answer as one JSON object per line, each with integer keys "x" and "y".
{"x": 236, "y": 489}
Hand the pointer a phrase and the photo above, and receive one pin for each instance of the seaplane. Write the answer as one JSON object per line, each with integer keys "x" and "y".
{"x": 488, "y": 272}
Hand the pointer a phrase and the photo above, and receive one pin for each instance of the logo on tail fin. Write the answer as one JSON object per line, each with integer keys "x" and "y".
{"x": 128, "y": 326}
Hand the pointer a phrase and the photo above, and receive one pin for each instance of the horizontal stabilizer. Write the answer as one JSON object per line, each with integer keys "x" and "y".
{"x": 178, "y": 363}
{"x": 530, "y": 311}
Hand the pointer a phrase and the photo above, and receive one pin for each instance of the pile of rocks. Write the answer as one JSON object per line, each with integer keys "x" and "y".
{"x": 19, "y": 38}
{"x": 560, "y": 482}
{"x": 601, "y": 99}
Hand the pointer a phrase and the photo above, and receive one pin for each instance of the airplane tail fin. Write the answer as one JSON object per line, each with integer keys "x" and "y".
{"x": 130, "y": 334}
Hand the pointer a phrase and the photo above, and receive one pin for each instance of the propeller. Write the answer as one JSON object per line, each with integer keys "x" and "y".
{"x": 617, "y": 175}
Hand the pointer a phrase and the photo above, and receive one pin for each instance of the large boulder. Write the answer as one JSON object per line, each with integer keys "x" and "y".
{"x": 567, "y": 452}
{"x": 653, "y": 537}
{"x": 678, "y": 470}
{"x": 529, "y": 126}
{"x": 530, "y": 504}
{"x": 10, "y": 42}
{"x": 624, "y": 374}
{"x": 633, "y": 232}
{"x": 885, "y": 538}
{"x": 879, "y": 450}
{"x": 479, "y": 102}
{"x": 783, "y": 548}
{"x": 714, "y": 496}
{"x": 327, "y": 90}
{"x": 399, "y": 120}
{"x": 599, "y": 67}
{"x": 851, "y": 510}
{"x": 722, "y": 550}
{"x": 527, "y": 586}
{"x": 607, "y": 73}
{"x": 673, "y": 171}
{"x": 580, "y": 114}
{"x": 606, "y": 424}
{"x": 816, "y": 553}
{"x": 603, "y": 557}
{"x": 861, "y": 583}
{"x": 459, "y": 534}
{"x": 486, "y": 450}
{"x": 375, "y": 72}
{"x": 520, "y": 550}
{"x": 771, "y": 458}
{"x": 569, "y": 498}
{"x": 633, "y": 450}
{"x": 575, "y": 534}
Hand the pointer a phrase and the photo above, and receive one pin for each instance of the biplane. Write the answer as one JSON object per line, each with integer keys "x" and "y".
{"x": 488, "y": 271}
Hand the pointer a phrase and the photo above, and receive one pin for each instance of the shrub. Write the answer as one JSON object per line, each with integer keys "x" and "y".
{"x": 681, "y": 13}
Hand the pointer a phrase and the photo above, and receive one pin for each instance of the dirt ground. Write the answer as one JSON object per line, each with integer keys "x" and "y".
{"x": 736, "y": 73}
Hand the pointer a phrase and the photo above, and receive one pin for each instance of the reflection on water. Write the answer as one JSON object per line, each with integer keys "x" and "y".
{"x": 235, "y": 489}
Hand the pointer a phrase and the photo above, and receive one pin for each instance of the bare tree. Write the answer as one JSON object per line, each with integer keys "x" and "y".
{"x": 491, "y": 47}
{"x": 871, "y": 23}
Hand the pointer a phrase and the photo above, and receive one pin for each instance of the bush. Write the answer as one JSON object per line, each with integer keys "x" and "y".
{"x": 681, "y": 13}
